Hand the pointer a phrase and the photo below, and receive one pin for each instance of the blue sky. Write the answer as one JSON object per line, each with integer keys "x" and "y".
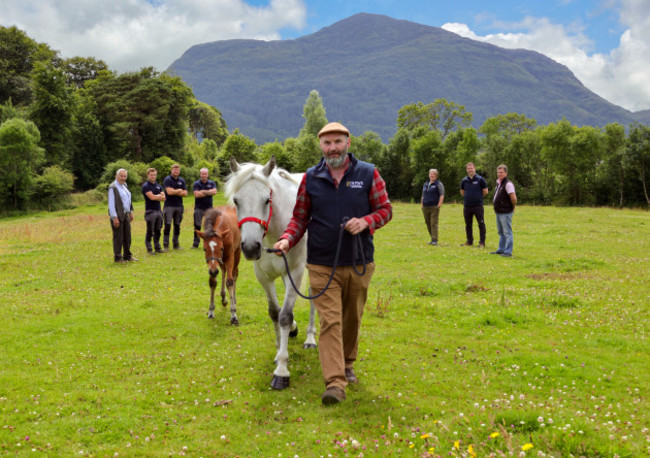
{"x": 606, "y": 43}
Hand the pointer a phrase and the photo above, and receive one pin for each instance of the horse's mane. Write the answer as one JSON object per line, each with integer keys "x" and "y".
{"x": 211, "y": 217}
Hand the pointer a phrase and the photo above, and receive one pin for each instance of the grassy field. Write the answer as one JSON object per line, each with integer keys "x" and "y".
{"x": 462, "y": 353}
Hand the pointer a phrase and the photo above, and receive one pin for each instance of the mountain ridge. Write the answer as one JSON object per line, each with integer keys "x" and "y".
{"x": 366, "y": 67}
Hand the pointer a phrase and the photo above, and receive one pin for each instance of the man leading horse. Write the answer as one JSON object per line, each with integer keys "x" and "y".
{"x": 339, "y": 186}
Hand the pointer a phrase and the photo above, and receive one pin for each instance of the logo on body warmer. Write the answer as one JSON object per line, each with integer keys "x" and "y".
{"x": 355, "y": 184}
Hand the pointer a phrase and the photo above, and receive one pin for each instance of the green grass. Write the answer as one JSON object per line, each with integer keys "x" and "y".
{"x": 458, "y": 348}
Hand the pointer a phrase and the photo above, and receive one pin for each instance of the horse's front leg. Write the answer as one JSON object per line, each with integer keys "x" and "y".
{"x": 213, "y": 285}
{"x": 230, "y": 283}
{"x": 288, "y": 328}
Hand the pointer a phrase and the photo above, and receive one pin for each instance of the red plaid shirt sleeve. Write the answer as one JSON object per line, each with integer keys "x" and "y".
{"x": 382, "y": 210}
{"x": 301, "y": 215}
{"x": 381, "y": 214}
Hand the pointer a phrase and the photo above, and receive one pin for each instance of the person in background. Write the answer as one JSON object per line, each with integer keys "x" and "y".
{"x": 433, "y": 194}
{"x": 473, "y": 188}
{"x": 204, "y": 189}
{"x": 175, "y": 190}
{"x": 153, "y": 194}
{"x": 505, "y": 201}
{"x": 120, "y": 210}
{"x": 339, "y": 186}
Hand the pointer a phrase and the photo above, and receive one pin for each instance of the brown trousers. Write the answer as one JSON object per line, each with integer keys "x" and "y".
{"x": 340, "y": 310}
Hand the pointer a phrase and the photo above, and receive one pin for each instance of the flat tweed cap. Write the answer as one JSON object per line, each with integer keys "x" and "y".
{"x": 333, "y": 128}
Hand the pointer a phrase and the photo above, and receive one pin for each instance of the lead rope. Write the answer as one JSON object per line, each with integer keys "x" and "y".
{"x": 356, "y": 245}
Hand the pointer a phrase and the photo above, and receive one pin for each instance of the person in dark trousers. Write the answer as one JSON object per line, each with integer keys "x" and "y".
{"x": 339, "y": 186}
{"x": 473, "y": 188}
{"x": 153, "y": 194}
{"x": 433, "y": 195}
{"x": 203, "y": 189}
{"x": 175, "y": 190}
{"x": 120, "y": 211}
{"x": 505, "y": 201}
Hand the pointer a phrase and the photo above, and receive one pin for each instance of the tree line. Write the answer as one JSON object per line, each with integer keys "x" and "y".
{"x": 66, "y": 125}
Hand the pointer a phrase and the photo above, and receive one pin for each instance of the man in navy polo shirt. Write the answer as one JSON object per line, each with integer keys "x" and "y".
{"x": 153, "y": 194}
{"x": 473, "y": 188}
{"x": 338, "y": 186}
{"x": 204, "y": 189}
{"x": 175, "y": 190}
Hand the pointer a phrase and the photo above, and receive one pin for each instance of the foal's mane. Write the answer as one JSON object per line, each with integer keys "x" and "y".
{"x": 211, "y": 217}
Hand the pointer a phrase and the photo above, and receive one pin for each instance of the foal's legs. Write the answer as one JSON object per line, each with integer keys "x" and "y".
{"x": 230, "y": 282}
{"x": 213, "y": 286}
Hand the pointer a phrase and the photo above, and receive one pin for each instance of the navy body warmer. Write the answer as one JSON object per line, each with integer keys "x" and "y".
{"x": 329, "y": 205}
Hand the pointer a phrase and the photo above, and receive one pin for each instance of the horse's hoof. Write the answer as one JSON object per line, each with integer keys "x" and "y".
{"x": 234, "y": 321}
{"x": 210, "y": 315}
{"x": 294, "y": 332}
{"x": 279, "y": 383}
{"x": 309, "y": 346}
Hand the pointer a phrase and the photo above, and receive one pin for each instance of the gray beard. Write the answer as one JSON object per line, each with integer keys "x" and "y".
{"x": 335, "y": 163}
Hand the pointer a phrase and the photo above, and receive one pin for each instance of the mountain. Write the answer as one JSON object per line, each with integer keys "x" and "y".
{"x": 368, "y": 66}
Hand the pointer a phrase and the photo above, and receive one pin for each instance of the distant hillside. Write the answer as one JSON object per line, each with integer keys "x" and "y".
{"x": 367, "y": 67}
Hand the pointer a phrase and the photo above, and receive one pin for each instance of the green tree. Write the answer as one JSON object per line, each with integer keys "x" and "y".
{"x": 238, "y": 146}
{"x": 440, "y": 115}
{"x": 307, "y": 146}
{"x": 368, "y": 147}
{"x": 395, "y": 166}
{"x": 282, "y": 157}
{"x": 88, "y": 152}
{"x": 18, "y": 55}
{"x": 51, "y": 187}
{"x": 206, "y": 121}
{"x": 143, "y": 114}
{"x": 426, "y": 153}
{"x": 78, "y": 70}
{"x": 639, "y": 155}
{"x": 20, "y": 156}
{"x": 51, "y": 111}
{"x": 614, "y": 142}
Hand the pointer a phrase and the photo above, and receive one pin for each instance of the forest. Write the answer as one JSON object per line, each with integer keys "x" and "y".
{"x": 67, "y": 124}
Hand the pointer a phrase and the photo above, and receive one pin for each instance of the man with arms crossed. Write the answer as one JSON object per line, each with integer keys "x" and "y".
{"x": 153, "y": 194}
{"x": 473, "y": 188}
{"x": 203, "y": 189}
{"x": 175, "y": 190}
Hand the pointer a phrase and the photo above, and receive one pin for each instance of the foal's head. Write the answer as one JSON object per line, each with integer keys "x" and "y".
{"x": 213, "y": 244}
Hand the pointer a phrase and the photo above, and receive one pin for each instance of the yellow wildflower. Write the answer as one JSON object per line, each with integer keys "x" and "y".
{"x": 424, "y": 436}
{"x": 494, "y": 435}
{"x": 471, "y": 451}
{"x": 457, "y": 445}
{"x": 527, "y": 447}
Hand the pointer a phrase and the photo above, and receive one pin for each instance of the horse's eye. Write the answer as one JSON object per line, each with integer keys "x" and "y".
{"x": 236, "y": 202}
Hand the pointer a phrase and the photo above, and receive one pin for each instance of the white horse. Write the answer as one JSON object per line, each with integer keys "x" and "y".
{"x": 265, "y": 197}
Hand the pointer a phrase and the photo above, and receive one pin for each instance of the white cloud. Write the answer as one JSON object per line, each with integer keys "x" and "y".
{"x": 622, "y": 76}
{"x": 130, "y": 34}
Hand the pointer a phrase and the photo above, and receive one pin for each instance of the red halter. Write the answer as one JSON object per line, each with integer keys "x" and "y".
{"x": 252, "y": 219}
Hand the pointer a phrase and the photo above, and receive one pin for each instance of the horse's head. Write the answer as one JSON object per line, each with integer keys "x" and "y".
{"x": 249, "y": 189}
{"x": 213, "y": 248}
